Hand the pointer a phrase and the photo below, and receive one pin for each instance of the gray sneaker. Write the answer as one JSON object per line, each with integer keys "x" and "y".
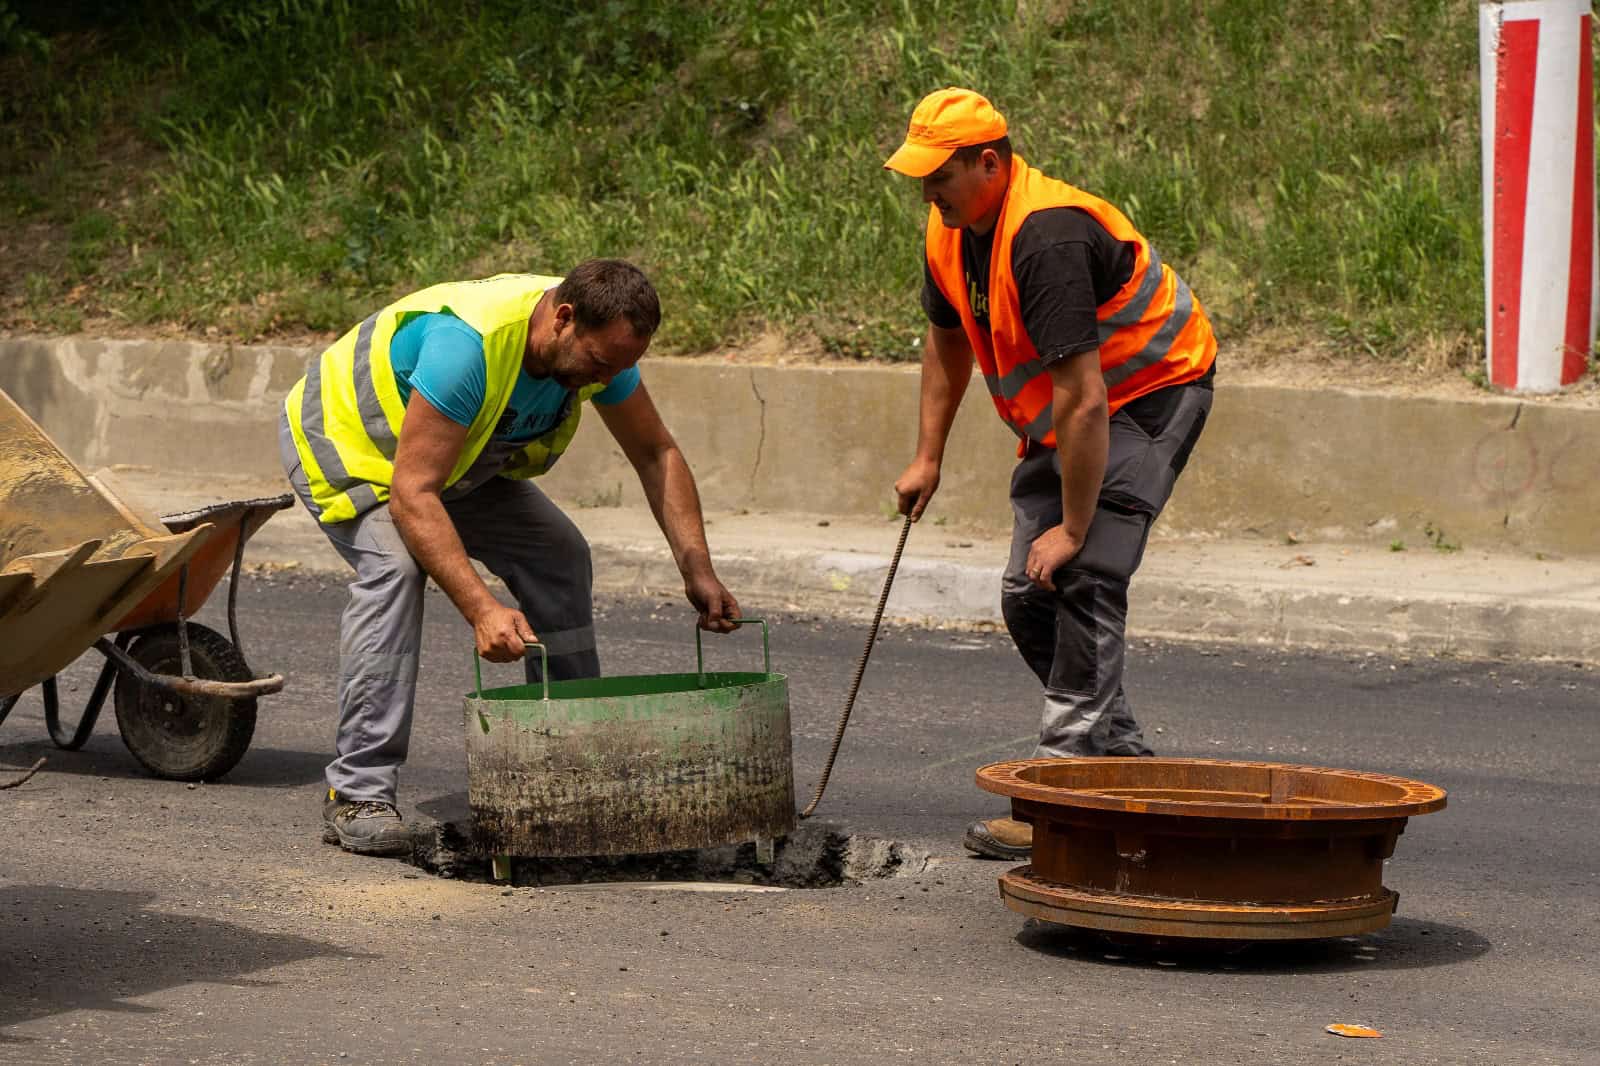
{"x": 366, "y": 827}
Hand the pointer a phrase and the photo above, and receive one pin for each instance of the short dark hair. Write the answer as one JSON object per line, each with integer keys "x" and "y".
{"x": 969, "y": 155}
{"x": 600, "y": 290}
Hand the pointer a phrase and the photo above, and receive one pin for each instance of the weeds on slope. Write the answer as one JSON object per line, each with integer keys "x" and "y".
{"x": 267, "y": 165}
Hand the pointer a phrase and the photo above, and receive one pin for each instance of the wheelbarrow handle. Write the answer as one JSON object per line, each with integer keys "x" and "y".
{"x": 766, "y": 648}
{"x": 544, "y": 668}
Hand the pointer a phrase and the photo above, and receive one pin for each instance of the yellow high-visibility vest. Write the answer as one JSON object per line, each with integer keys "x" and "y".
{"x": 345, "y": 414}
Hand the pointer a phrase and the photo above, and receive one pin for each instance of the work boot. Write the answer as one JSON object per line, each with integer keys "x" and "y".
{"x": 366, "y": 827}
{"x": 1000, "y": 838}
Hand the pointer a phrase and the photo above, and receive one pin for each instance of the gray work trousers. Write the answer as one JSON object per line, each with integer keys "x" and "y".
{"x": 1073, "y": 638}
{"x": 509, "y": 526}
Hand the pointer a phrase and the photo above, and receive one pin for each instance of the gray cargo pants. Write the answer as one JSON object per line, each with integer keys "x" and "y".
{"x": 1073, "y": 638}
{"x": 509, "y": 526}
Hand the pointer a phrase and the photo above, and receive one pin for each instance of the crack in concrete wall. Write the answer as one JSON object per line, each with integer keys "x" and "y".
{"x": 761, "y": 438}
{"x": 1505, "y": 469}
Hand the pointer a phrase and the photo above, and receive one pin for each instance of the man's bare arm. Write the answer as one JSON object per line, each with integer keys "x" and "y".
{"x": 946, "y": 371}
{"x": 1083, "y": 435}
{"x": 669, "y": 486}
{"x": 1078, "y": 410}
{"x": 430, "y": 444}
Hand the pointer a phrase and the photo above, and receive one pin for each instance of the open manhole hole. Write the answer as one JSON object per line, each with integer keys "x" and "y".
{"x": 815, "y": 855}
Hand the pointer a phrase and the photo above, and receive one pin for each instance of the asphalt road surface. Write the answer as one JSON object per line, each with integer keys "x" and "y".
{"x": 149, "y": 921}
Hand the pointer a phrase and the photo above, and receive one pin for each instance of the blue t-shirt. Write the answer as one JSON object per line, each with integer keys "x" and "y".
{"x": 441, "y": 357}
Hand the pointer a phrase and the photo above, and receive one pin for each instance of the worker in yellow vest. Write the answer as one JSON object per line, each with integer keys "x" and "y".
{"x": 1100, "y": 359}
{"x": 411, "y": 440}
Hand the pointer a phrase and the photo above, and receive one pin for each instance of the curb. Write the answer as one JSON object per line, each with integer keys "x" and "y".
{"x": 945, "y": 594}
{"x": 1494, "y": 473}
{"x": 1503, "y": 475}
{"x": 956, "y": 595}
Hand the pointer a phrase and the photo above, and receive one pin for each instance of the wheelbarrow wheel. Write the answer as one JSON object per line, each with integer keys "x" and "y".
{"x": 180, "y": 736}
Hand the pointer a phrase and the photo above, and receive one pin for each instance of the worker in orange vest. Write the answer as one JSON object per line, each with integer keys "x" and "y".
{"x": 1100, "y": 359}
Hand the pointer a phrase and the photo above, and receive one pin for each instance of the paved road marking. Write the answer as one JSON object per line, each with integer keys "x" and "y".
{"x": 987, "y": 749}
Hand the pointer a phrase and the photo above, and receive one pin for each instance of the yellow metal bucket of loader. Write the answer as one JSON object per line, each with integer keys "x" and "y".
{"x": 74, "y": 559}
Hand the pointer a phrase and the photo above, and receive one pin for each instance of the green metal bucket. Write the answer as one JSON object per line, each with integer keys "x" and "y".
{"x": 631, "y": 765}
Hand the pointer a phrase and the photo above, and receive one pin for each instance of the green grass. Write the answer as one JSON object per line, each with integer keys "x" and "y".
{"x": 281, "y": 165}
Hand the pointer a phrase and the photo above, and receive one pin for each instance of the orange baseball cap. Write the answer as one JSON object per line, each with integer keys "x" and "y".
{"x": 944, "y": 121}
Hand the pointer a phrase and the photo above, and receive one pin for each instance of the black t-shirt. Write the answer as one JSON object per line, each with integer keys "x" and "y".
{"x": 1065, "y": 264}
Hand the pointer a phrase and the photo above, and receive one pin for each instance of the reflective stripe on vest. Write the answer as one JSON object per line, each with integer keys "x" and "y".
{"x": 1152, "y": 333}
{"x": 346, "y": 412}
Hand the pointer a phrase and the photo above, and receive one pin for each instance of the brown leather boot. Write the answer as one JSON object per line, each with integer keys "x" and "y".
{"x": 1000, "y": 838}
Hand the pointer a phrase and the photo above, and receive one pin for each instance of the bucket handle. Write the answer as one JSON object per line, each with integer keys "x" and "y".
{"x": 766, "y": 648}
{"x": 477, "y": 673}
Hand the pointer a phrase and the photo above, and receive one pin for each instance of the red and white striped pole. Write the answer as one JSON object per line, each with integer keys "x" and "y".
{"x": 1539, "y": 236}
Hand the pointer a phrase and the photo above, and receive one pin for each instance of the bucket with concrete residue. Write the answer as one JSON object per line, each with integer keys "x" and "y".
{"x": 631, "y": 765}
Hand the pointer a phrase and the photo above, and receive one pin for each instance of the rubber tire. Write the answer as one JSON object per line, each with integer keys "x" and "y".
{"x": 208, "y": 735}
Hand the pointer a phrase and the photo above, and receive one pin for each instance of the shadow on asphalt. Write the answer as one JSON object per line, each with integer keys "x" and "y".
{"x": 1408, "y": 943}
{"x": 279, "y": 768}
{"x": 52, "y": 933}
{"x": 448, "y": 807}
{"x": 104, "y": 756}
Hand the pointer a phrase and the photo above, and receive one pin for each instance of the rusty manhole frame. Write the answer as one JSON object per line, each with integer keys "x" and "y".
{"x": 1258, "y": 850}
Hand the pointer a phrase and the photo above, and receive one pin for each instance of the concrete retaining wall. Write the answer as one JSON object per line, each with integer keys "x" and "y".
{"x": 1490, "y": 473}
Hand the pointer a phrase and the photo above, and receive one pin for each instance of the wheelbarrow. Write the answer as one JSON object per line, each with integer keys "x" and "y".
{"x": 78, "y": 563}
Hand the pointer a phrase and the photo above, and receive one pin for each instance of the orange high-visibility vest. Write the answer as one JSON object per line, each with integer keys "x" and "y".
{"x": 1153, "y": 332}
